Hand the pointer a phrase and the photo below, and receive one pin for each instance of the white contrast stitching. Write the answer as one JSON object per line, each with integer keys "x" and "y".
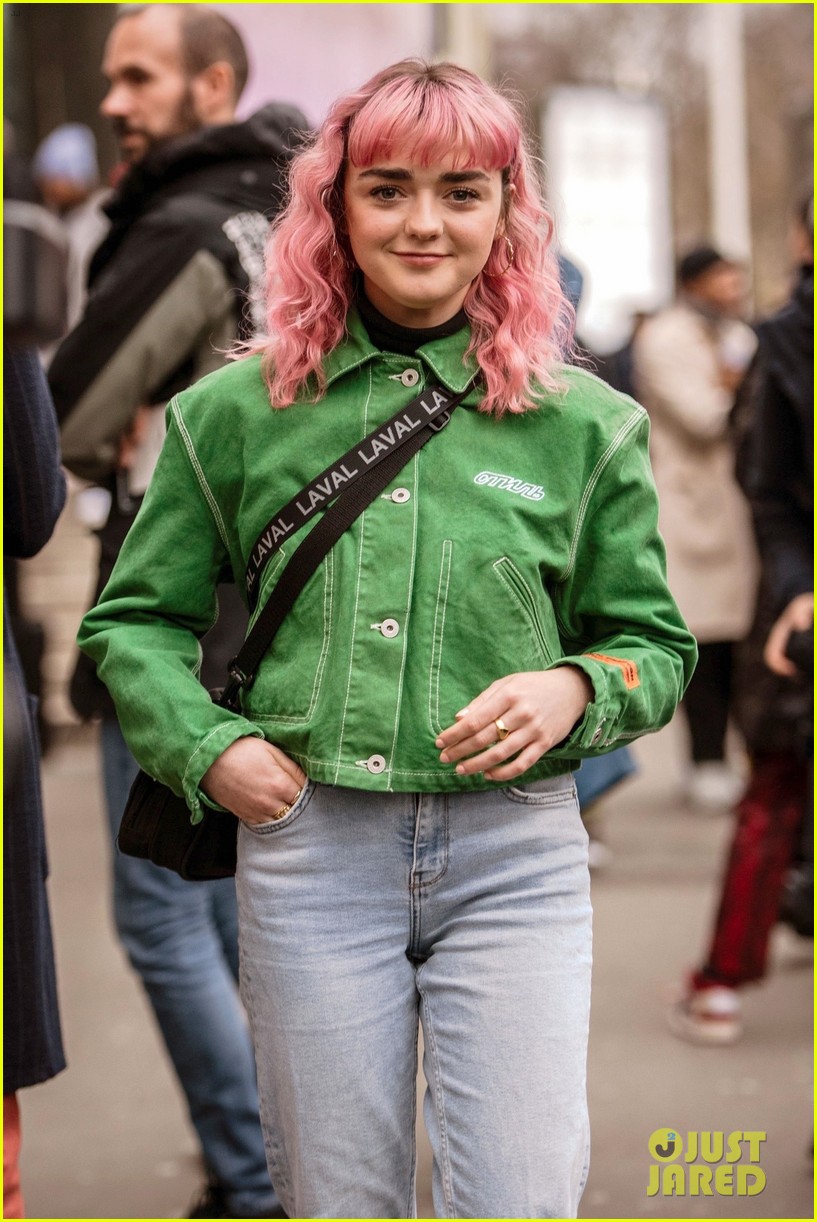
{"x": 435, "y": 665}
{"x": 301, "y": 718}
{"x": 612, "y": 448}
{"x": 203, "y": 743}
{"x": 527, "y": 612}
{"x": 197, "y": 467}
{"x": 412, "y": 562}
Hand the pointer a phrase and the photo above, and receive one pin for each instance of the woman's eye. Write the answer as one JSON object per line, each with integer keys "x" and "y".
{"x": 385, "y": 193}
{"x": 464, "y": 195}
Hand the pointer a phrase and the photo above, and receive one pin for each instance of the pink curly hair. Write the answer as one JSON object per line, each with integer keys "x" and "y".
{"x": 521, "y": 323}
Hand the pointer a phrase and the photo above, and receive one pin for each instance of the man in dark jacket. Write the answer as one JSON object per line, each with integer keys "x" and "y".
{"x": 170, "y": 289}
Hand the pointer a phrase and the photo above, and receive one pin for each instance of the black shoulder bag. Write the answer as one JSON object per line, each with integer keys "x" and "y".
{"x": 156, "y": 822}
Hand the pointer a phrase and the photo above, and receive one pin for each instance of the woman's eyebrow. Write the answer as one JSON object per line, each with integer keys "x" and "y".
{"x": 392, "y": 174}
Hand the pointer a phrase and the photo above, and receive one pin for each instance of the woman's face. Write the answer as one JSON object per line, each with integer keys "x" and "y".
{"x": 420, "y": 235}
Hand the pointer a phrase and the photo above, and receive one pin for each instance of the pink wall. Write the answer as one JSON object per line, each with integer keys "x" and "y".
{"x": 311, "y": 53}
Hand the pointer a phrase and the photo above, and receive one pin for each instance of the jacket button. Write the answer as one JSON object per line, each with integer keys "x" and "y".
{"x": 401, "y": 495}
{"x": 376, "y": 763}
{"x": 409, "y": 377}
{"x": 389, "y": 627}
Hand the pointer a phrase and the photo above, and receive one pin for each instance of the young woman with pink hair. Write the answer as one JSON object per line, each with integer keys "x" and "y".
{"x": 410, "y": 848}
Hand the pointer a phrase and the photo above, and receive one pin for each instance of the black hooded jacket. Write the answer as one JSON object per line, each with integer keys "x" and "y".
{"x": 170, "y": 290}
{"x": 778, "y": 476}
{"x": 171, "y": 286}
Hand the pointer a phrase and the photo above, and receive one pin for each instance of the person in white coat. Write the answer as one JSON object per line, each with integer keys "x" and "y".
{"x": 688, "y": 362}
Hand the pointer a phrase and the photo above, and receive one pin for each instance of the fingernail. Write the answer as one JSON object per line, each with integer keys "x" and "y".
{"x": 460, "y": 770}
{"x": 444, "y": 757}
{"x": 462, "y": 712}
{"x": 438, "y": 742}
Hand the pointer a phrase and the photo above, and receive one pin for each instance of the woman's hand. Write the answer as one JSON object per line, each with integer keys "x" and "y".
{"x": 540, "y": 708}
{"x": 254, "y": 780}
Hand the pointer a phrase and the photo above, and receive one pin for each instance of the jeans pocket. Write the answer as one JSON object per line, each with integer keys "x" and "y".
{"x": 295, "y": 811}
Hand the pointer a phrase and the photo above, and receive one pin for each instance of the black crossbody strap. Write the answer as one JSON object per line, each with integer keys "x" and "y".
{"x": 348, "y": 506}
{"x": 431, "y": 405}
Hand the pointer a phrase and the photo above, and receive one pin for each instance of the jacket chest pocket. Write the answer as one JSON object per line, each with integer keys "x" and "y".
{"x": 289, "y": 680}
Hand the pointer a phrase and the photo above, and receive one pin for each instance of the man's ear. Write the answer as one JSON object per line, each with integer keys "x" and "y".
{"x": 213, "y": 92}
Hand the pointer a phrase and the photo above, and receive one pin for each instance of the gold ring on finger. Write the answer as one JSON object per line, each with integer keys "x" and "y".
{"x": 502, "y": 730}
{"x": 279, "y": 814}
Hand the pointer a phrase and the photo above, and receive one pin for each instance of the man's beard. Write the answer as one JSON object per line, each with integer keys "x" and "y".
{"x": 185, "y": 121}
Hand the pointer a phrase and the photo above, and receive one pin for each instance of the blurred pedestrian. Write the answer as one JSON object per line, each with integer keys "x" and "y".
{"x": 167, "y": 298}
{"x": 688, "y": 361}
{"x": 67, "y": 174}
{"x": 776, "y": 469}
{"x": 33, "y": 497}
{"x": 409, "y": 843}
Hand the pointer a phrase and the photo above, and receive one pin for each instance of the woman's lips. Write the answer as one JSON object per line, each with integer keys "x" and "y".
{"x": 424, "y": 260}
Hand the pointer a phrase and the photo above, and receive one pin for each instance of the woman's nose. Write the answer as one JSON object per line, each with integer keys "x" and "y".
{"x": 424, "y": 218}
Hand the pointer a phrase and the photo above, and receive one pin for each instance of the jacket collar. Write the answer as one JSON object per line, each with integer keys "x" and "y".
{"x": 445, "y": 357}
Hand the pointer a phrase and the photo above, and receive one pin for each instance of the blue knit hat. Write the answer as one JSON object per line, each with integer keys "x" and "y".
{"x": 69, "y": 152}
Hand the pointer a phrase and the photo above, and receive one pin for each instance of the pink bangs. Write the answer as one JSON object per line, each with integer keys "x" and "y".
{"x": 425, "y": 120}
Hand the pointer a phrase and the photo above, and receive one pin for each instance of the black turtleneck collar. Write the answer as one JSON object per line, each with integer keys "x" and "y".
{"x": 391, "y": 337}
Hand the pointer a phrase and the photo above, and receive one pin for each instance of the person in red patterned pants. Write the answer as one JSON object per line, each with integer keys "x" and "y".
{"x": 773, "y": 418}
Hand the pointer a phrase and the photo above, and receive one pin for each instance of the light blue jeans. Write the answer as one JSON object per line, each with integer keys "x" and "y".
{"x": 362, "y": 913}
{"x": 182, "y": 940}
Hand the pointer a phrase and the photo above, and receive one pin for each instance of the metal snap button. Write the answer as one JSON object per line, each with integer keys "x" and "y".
{"x": 401, "y": 495}
{"x": 376, "y": 763}
{"x": 409, "y": 377}
{"x": 390, "y": 627}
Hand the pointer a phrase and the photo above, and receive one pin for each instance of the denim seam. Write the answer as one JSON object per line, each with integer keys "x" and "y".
{"x": 428, "y": 882}
{"x": 273, "y": 1147}
{"x": 539, "y": 799}
{"x": 200, "y": 476}
{"x": 411, "y": 1205}
{"x": 412, "y": 566}
{"x": 626, "y": 428}
{"x": 437, "y": 639}
{"x": 292, "y": 816}
{"x": 439, "y": 1103}
{"x": 351, "y": 766}
{"x": 527, "y": 612}
{"x": 357, "y": 599}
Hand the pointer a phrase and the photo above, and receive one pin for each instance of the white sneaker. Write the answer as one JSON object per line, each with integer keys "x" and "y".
{"x": 706, "y": 1016}
{"x": 714, "y": 786}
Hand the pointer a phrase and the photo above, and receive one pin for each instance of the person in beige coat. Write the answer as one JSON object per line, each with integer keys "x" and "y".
{"x": 688, "y": 362}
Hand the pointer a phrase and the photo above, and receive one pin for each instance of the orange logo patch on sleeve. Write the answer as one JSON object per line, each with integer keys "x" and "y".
{"x": 628, "y": 669}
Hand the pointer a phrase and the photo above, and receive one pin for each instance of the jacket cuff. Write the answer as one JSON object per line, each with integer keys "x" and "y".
{"x": 587, "y": 734}
{"x": 207, "y": 752}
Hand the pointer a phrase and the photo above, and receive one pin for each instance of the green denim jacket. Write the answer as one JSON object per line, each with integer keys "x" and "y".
{"x": 512, "y": 544}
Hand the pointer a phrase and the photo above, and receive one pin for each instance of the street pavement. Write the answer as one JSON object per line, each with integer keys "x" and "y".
{"x": 109, "y": 1137}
